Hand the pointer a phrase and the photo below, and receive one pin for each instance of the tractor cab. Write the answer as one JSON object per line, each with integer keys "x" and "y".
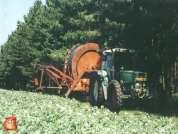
{"x": 119, "y": 58}
{"x": 122, "y": 65}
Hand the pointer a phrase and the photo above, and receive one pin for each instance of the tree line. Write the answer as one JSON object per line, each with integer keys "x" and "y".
{"x": 49, "y": 30}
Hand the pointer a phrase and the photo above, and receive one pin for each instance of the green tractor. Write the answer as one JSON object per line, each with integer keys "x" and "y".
{"x": 118, "y": 79}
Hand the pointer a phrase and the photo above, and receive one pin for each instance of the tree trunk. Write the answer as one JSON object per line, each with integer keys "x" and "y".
{"x": 175, "y": 76}
{"x": 167, "y": 81}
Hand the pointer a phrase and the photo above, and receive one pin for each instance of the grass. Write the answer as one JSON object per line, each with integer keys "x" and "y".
{"x": 175, "y": 105}
{"x": 49, "y": 114}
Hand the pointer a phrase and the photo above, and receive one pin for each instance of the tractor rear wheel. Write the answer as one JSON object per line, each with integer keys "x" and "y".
{"x": 114, "y": 96}
{"x": 95, "y": 91}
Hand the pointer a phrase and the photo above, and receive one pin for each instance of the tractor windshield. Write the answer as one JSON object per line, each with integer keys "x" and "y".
{"x": 107, "y": 62}
{"x": 124, "y": 60}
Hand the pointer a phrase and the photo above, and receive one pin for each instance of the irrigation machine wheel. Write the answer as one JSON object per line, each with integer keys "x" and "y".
{"x": 39, "y": 90}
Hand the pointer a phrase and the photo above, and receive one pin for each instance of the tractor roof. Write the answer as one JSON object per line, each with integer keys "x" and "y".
{"x": 119, "y": 50}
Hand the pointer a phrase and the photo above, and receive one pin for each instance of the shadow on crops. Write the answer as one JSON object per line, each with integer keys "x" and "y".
{"x": 165, "y": 108}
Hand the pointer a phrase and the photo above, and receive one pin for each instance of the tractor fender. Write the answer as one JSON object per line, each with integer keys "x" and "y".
{"x": 103, "y": 78}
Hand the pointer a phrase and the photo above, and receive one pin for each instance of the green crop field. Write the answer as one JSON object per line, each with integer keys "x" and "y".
{"x": 49, "y": 114}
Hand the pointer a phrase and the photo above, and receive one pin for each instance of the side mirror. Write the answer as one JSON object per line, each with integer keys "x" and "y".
{"x": 122, "y": 67}
{"x": 104, "y": 57}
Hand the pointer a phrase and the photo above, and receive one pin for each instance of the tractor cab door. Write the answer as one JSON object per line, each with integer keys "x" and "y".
{"x": 107, "y": 64}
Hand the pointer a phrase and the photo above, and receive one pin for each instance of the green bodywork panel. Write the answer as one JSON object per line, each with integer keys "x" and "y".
{"x": 129, "y": 76}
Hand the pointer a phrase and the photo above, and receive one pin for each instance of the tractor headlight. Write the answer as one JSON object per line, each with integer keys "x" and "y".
{"x": 137, "y": 87}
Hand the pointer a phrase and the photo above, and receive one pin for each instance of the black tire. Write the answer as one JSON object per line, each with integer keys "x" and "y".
{"x": 96, "y": 94}
{"x": 114, "y": 96}
{"x": 39, "y": 90}
{"x": 28, "y": 86}
{"x": 157, "y": 101}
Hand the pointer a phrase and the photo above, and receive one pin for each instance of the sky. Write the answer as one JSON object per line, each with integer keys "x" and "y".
{"x": 10, "y": 12}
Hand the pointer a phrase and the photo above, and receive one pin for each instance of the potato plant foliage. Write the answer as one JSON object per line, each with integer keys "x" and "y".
{"x": 48, "y": 114}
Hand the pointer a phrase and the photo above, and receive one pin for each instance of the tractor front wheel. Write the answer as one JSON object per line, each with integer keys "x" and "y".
{"x": 114, "y": 96}
{"x": 96, "y": 95}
